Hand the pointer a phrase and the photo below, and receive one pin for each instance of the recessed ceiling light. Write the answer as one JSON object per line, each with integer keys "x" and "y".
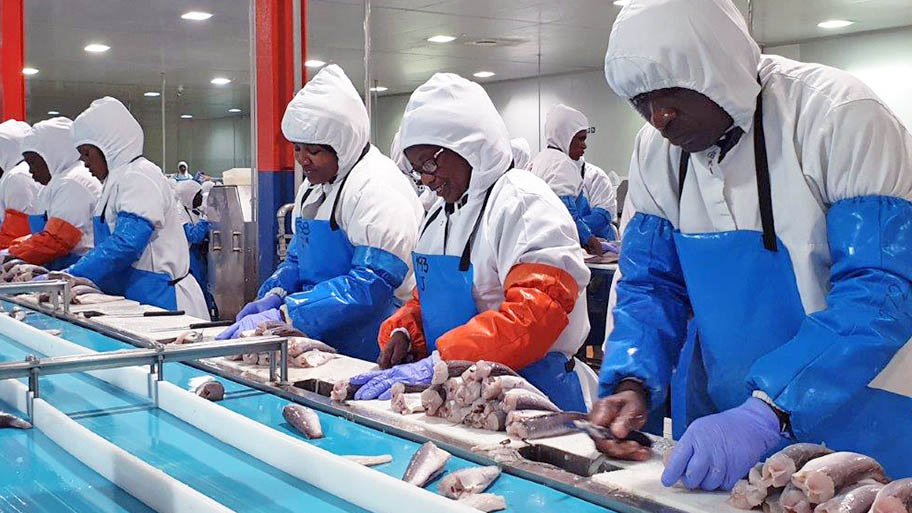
{"x": 234, "y": 110}
{"x": 186, "y": 116}
{"x": 53, "y": 113}
{"x": 29, "y": 71}
{"x": 151, "y": 94}
{"x": 196, "y": 16}
{"x": 621, "y": 3}
{"x": 484, "y": 74}
{"x": 379, "y": 89}
{"x": 97, "y": 48}
{"x": 220, "y": 81}
{"x": 835, "y": 24}
{"x": 314, "y": 63}
{"x": 441, "y": 39}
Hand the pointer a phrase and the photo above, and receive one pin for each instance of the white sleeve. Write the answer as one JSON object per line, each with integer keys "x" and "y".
{"x": 71, "y": 202}
{"x": 600, "y": 192}
{"x": 139, "y": 194}
{"x": 21, "y": 193}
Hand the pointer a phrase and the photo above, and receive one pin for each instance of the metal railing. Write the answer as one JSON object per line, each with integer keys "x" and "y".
{"x": 59, "y": 290}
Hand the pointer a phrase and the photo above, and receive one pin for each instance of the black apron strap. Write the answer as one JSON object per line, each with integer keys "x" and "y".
{"x": 175, "y": 281}
{"x": 466, "y": 258}
{"x": 682, "y": 172}
{"x": 429, "y": 220}
{"x": 333, "y": 224}
{"x": 764, "y": 190}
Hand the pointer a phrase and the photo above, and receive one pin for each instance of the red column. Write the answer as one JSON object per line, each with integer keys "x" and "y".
{"x": 12, "y": 60}
{"x": 274, "y": 89}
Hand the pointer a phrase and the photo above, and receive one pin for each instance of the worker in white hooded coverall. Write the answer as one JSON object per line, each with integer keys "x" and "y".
{"x": 355, "y": 222}
{"x": 566, "y": 131}
{"x": 500, "y": 273}
{"x": 62, "y": 228}
{"x": 18, "y": 191}
{"x": 522, "y": 153}
{"x": 772, "y": 204}
{"x": 183, "y": 172}
{"x": 140, "y": 249}
{"x": 601, "y": 194}
{"x": 196, "y": 228}
{"x": 426, "y": 197}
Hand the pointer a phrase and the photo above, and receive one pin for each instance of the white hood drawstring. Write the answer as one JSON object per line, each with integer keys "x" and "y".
{"x": 51, "y": 140}
{"x": 561, "y": 124}
{"x": 329, "y": 111}
{"x": 702, "y": 45}
{"x": 109, "y": 126}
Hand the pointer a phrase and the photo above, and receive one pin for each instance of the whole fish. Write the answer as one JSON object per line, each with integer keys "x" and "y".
{"x": 495, "y": 418}
{"x": 189, "y": 337}
{"x": 10, "y": 264}
{"x": 251, "y": 358}
{"x": 10, "y": 420}
{"x": 820, "y": 478}
{"x": 79, "y": 290}
{"x": 209, "y": 389}
{"x": 895, "y": 497}
{"x": 74, "y": 281}
{"x": 483, "y": 369}
{"x": 778, "y": 469}
{"x": 311, "y": 359}
{"x": 425, "y": 465}
{"x": 344, "y": 391}
{"x": 532, "y": 425}
{"x": 484, "y": 502}
{"x": 94, "y": 298}
{"x": 521, "y": 399}
{"x": 468, "y": 481}
{"x": 304, "y": 420}
{"x": 857, "y": 500}
{"x": 299, "y": 345}
{"x": 370, "y": 461}
{"x": 277, "y": 329}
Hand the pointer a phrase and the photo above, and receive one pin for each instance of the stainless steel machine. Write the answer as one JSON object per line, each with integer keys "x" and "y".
{"x": 232, "y": 239}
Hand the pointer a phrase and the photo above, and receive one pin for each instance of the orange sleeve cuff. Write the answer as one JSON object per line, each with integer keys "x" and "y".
{"x": 408, "y": 316}
{"x": 58, "y": 239}
{"x": 15, "y": 225}
{"x": 536, "y": 309}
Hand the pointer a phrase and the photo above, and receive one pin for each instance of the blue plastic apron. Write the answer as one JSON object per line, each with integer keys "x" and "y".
{"x": 445, "y": 291}
{"x": 324, "y": 253}
{"x": 147, "y": 287}
{"x": 37, "y": 223}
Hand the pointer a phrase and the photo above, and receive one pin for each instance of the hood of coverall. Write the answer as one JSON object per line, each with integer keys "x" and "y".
{"x": 561, "y": 124}
{"x": 329, "y": 111}
{"x": 455, "y": 113}
{"x": 12, "y": 133}
{"x": 522, "y": 153}
{"x": 702, "y": 45}
{"x": 108, "y": 125}
{"x": 51, "y": 140}
{"x": 186, "y": 191}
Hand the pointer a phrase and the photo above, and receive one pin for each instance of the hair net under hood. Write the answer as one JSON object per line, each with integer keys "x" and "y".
{"x": 51, "y": 140}
{"x": 186, "y": 191}
{"x": 561, "y": 124}
{"x": 109, "y": 126}
{"x": 11, "y": 134}
{"x": 702, "y": 45}
{"x": 329, "y": 111}
{"x": 522, "y": 153}
{"x": 457, "y": 114}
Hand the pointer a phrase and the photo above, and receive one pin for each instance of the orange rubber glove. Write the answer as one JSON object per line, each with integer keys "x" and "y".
{"x": 15, "y": 225}
{"x": 408, "y": 316}
{"x": 539, "y": 299}
{"x": 58, "y": 239}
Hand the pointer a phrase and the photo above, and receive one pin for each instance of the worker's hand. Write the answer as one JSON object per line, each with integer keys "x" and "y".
{"x": 623, "y": 412}
{"x": 251, "y": 322}
{"x": 718, "y": 450}
{"x": 395, "y": 352}
{"x": 269, "y": 302}
{"x": 377, "y": 384}
{"x": 594, "y": 246}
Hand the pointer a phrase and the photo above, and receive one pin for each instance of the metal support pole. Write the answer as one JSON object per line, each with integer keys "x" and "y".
{"x": 160, "y": 368}
{"x": 33, "y": 382}
{"x": 272, "y": 367}
{"x": 367, "y": 55}
{"x": 164, "y": 165}
{"x": 66, "y": 297}
{"x": 284, "y": 361}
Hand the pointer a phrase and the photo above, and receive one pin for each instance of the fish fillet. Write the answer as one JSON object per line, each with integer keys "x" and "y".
{"x": 304, "y": 420}
{"x": 895, "y": 497}
{"x": 425, "y": 465}
{"x": 468, "y": 481}
{"x": 778, "y": 469}
{"x": 484, "y": 502}
{"x": 820, "y": 478}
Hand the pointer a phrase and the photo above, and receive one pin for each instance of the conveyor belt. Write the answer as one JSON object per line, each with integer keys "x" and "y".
{"x": 222, "y": 472}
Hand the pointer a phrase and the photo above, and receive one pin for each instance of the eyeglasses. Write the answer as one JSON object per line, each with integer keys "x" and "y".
{"x": 429, "y": 166}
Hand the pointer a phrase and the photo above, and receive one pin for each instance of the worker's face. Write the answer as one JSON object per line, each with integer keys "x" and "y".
{"x": 38, "y": 167}
{"x": 685, "y": 117}
{"x": 320, "y": 165}
{"x": 182, "y": 168}
{"x": 93, "y": 159}
{"x": 578, "y": 145}
{"x": 198, "y": 199}
{"x": 451, "y": 178}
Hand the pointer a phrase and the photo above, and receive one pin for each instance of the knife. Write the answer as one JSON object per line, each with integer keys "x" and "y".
{"x": 164, "y": 313}
{"x": 194, "y": 326}
{"x": 602, "y": 433}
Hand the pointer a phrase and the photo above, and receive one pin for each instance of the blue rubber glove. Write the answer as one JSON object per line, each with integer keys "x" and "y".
{"x": 250, "y": 322}
{"x": 718, "y": 450}
{"x": 270, "y": 302}
{"x": 377, "y": 384}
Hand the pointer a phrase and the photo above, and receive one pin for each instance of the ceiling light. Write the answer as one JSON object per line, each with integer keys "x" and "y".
{"x": 151, "y": 94}
{"x": 53, "y": 113}
{"x": 196, "y": 16}
{"x": 234, "y": 110}
{"x": 97, "y": 48}
{"x": 186, "y": 116}
{"x": 441, "y": 39}
{"x": 621, "y": 3}
{"x": 314, "y": 63}
{"x": 484, "y": 74}
{"x": 379, "y": 89}
{"x": 835, "y": 24}
{"x": 29, "y": 71}
{"x": 220, "y": 81}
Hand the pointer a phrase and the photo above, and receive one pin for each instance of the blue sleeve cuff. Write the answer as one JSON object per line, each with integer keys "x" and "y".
{"x": 287, "y": 277}
{"x": 584, "y": 232}
{"x": 840, "y": 349}
{"x": 599, "y": 222}
{"x": 196, "y": 233}
{"x": 132, "y": 234}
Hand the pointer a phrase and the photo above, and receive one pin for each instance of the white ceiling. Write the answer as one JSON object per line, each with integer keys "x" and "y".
{"x": 149, "y": 39}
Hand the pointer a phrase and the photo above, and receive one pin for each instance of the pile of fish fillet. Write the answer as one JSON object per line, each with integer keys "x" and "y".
{"x": 810, "y": 478}
{"x": 82, "y": 291}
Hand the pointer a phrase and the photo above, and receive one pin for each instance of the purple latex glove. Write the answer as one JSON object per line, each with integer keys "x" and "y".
{"x": 270, "y": 302}
{"x": 250, "y": 323}
{"x": 718, "y": 450}
{"x": 377, "y": 384}
{"x": 43, "y": 277}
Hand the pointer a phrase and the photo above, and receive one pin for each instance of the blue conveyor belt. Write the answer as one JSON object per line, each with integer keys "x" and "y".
{"x": 197, "y": 459}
